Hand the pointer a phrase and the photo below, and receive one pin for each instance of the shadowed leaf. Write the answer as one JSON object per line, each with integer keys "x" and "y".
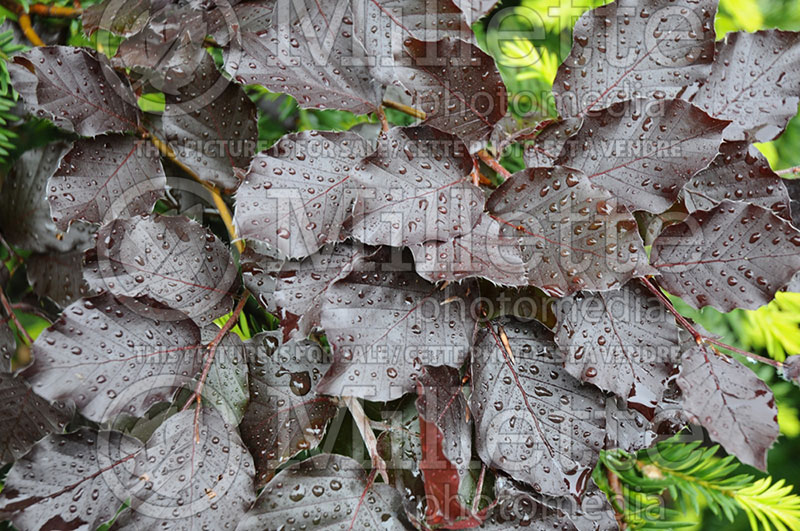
{"x": 731, "y": 402}
{"x": 735, "y": 255}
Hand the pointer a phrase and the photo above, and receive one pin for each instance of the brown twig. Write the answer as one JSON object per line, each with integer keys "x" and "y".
{"x": 382, "y": 118}
{"x": 216, "y": 196}
{"x": 493, "y": 164}
{"x": 619, "y": 508}
{"x": 370, "y": 441}
{"x": 789, "y": 171}
{"x": 13, "y": 316}
{"x": 411, "y": 111}
{"x": 44, "y": 10}
{"x": 699, "y": 338}
{"x": 211, "y": 352}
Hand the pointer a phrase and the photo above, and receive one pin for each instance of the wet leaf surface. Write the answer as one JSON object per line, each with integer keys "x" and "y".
{"x": 286, "y": 415}
{"x": 574, "y": 234}
{"x": 739, "y": 173}
{"x": 104, "y": 178}
{"x": 58, "y": 277}
{"x": 327, "y": 491}
{"x": 622, "y": 341}
{"x": 754, "y": 83}
{"x": 629, "y": 49}
{"x": 731, "y": 402}
{"x": 25, "y": 418}
{"x": 647, "y": 152}
{"x": 735, "y": 255}
{"x": 75, "y": 88}
{"x": 532, "y": 419}
{"x": 172, "y": 260}
{"x": 110, "y": 359}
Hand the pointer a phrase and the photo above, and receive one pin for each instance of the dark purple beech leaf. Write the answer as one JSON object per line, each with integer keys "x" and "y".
{"x": 286, "y": 415}
{"x": 511, "y": 129}
{"x": 446, "y": 438}
{"x": 226, "y": 386}
{"x": 647, "y": 150}
{"x": 384, "y": 326}
{"x": 327, "y": 488}
{"x": 58, "y": 276}
{"x": 297, "y": 196}
{"x": 574, "y": 234}
{"x": 735, "y": 255}
{"x": 793, "y": 186}
{"x": 173, "y": 260}
{"x": 731, "y": 402}
{"x": 73, "y": 481}
{"x": 260, "y": 268}
{"x": 416, "y": 187}
{"x": 109, "y": 359}
{"x": 474, "y": 9}
{"x": 309, "y": 53}
{"x": 211, "y": 126}
{"x": 442, "y": 403}
{"x": 76, "y": 88}
{"x": 167, "y": 51}
{"x": 104, "y": 178}
{"x": 549, "y": 143}
{"x": 443, "y": 79}
{"x": 301, "y": 285}
{"x": 791, "y": 369}
{"x": 228, "y": 22}
{"x": 485, "y": 252}
{"x": 739, "y": 173}
{"x": 191, "y": 476}
{"x": 519, "y": 508}
{"x": 623, "y": 341}
{"x": 24, "y": 213}
{"x": 533, "y": 420}
{"x": 25, "y": 418}
{"x": 8, "y": 344}
{"x": 627, "y": 428}
{"x": 631, "y": 49}
{"x": 121, "y": 17}
{"x": 754, "y": 82}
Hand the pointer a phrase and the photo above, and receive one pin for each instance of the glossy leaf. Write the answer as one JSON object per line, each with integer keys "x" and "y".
{"x": 647, "y": 151}
{"x": 121, "y": 17}
{"x": 384, "y": 326}
{"x": 443, "y": 78}
{"x": 446, "y": 438}
{"x": 574, "y": 234}
{"x": 8, "y": 344}
{"x": 25, "y": 215}
{"x": 308, "y": 52}
{"x": 191, "y": 475}
{"x": 109, "y": 359}
{"x": 735, "y": 255}
{"x": 75, "y": 88}
{"x": 623, "y": 341}
{"x": 301, "y": 285}
{"x": 72, "y": 481}
{"x": 172, "y": 260}
{"x": 104, "y": 178}
{"x": 549, "y": 143}
{"x": 753, "y": 83}
{"x": 485, "y": 252}
{"x": 629, "y": 49}
{"x": 211, "y": 126}
{"x": 286, "y": 415}
{"x": 731, "y": 402}
{"x": 532, "y": 419}
{"x": 474, "y": 9}
{"x": 327, "y": 491}
{"x": 58, "y": 276}
{"x": 297, "y": 196}
{"x": 25, "y": 418}
{"x": 739, "y": 173}
{"x": 416, "y": 187}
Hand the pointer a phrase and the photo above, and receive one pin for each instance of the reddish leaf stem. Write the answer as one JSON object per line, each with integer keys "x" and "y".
{"x": 13, "y": 317}
{"x": 493, "y": 164}
{"x": 699, "y": 338}
{"x": 789, "y": 171}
